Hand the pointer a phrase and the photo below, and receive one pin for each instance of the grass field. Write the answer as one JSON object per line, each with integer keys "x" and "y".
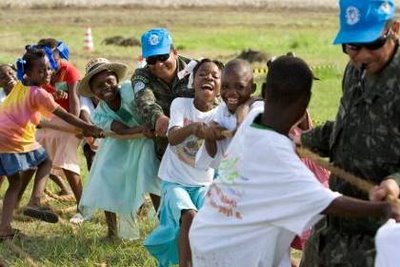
{"x": 213, "y": 32}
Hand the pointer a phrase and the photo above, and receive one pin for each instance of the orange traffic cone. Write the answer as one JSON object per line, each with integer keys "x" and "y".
{"x": 88, "y": 42}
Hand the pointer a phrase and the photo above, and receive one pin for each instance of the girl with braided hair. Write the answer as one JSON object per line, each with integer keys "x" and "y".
{"x": 20, "y": 113}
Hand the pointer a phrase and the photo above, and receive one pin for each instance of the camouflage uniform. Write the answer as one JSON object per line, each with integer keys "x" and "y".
{"x": 153, "y": 96}
{"x": 364, "y": 140}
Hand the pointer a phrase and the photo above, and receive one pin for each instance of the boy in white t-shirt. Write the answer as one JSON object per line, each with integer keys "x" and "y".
{"x": 237, "y": 85}
{"x": 264, "y": 194}
{"x": 183, "y": 186}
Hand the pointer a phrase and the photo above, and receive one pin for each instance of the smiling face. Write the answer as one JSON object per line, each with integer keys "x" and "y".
{"x": 375, "y": 59}
{"x": 236, "y": 86}
{"x": 165, "y": 70}
{"x": 372, "y": 60}
{"x": 7, "y": 78}
{"x": 207, "y": 82}
{"x": 104, "y": 85}
{"x": 39, "y": 73}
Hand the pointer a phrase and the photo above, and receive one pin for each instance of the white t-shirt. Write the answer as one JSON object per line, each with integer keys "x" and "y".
{"x": 387, "y": 243}
{"x": 263, "y": 197}
{"x": 177, "y": 164}
{"x": 227, "y": 120}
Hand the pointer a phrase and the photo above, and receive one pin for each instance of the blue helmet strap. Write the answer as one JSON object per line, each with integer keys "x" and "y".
{"x": 63, "y": 50}
{"x": 52, "y": 61}
{"x": 20, "y": 68}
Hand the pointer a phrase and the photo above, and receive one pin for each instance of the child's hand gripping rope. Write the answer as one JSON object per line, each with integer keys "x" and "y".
{"x": 96, "y": 132}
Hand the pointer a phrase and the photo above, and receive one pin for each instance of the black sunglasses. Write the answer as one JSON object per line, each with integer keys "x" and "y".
{"x": 375, "y": 45}
{"x": 153, "y": 59}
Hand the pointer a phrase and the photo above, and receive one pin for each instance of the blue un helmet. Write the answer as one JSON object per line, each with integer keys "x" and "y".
{"x": 155, "y": 42}
{"x": 363, "y": 21}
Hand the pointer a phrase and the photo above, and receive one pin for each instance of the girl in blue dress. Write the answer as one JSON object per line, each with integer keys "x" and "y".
{"x": 124, "y": 170}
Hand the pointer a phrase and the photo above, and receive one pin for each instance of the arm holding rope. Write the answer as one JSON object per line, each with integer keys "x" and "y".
{"x": 121, "y": 129}
{"x": 213, "y": 134}
{"x": 352, "y": 207}
{"x": 88, "y": 130}
{"x": 388, "y": 188}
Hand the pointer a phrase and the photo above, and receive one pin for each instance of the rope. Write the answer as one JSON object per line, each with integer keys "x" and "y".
{"x": 66, "y": 210}
{"x": 76, "y": 131}
{"x": 228, "y": 134}
{"x": 59, "y": 198}
{"x": 356, "y": 181}
{"x": 348, "y": 177}
{"x": 61, "y": 221}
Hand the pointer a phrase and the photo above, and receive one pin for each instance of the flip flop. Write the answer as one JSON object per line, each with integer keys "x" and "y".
{"x": 41, "y": 213}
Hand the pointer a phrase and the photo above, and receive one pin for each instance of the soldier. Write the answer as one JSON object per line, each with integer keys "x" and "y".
{"x": 365, "y": 137}
{"x": 164, "y": 78}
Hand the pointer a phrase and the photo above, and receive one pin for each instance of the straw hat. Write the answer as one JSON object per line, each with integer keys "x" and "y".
{"x": 96, "y": 66}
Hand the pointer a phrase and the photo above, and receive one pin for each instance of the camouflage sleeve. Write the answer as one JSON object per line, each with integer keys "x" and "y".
{"x": 318, "y": 139}
{"x": 145, "y": 103}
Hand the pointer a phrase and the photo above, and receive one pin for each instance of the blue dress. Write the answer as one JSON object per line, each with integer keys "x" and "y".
{"x": 123, "y": 171}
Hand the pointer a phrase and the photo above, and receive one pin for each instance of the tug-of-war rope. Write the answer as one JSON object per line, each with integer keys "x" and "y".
{"x": 352, "y": 179}
{"x": 46, "y": 125}
{"x": 356, "y": 181}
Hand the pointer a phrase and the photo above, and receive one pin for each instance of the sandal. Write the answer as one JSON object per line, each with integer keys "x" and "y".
{"x": 42, "y": 213}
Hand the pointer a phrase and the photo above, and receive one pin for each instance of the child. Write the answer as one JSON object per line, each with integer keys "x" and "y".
{"x": 236, "y": 88}
{"x": 62, "y": 147}
{"x": 19, "y": 115}
{"x": 7, "y": 82}
{"x": 320, "y": 173}
{"x": 265, "y": 195}
{"x": 123, "y": 169}
{"x": 183, "y": 186}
